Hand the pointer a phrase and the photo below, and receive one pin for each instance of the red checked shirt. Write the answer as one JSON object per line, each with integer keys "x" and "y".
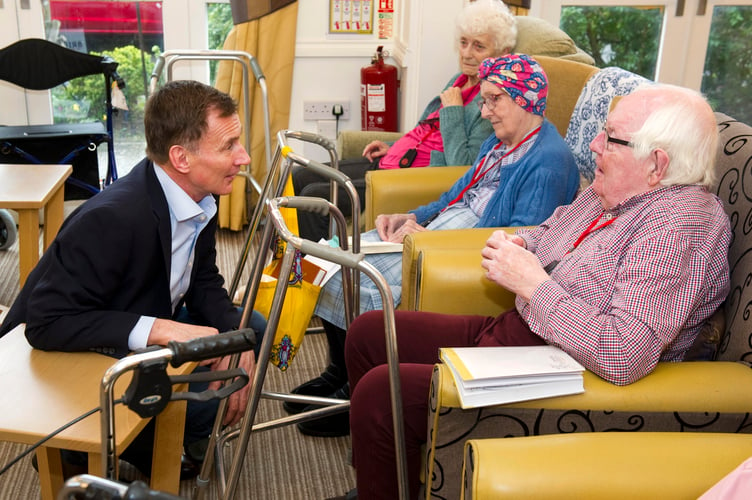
{"x": 635, "y": 291}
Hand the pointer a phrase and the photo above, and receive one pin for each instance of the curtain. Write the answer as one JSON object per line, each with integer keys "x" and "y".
{"x": 270, "y": 39}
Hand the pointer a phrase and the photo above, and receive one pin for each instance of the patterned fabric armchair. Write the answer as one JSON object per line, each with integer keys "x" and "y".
{"x": 693, "y": 396}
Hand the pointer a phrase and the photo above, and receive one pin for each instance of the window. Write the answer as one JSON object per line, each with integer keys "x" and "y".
{"x": 132, "y": 33}
{"x": 700, "y": 44}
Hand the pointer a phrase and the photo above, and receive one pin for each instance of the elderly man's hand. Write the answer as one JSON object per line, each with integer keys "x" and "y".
{"x": 510, "y": 265}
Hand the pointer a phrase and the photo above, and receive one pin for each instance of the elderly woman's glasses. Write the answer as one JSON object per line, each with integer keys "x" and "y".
{"x": 614, "y": 140}
{"x": 490, "y": 102}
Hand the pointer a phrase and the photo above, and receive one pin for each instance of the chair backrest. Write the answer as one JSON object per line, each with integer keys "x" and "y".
{"x": 37, "y": 64}
{"x": 734, "y": 188}
{"x": 566, "y": 80}
{"x": 589, "y": 114}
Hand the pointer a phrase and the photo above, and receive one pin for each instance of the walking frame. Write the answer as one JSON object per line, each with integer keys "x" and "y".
{"x": 148, "y": 394}
{"x": 352, "y": 261}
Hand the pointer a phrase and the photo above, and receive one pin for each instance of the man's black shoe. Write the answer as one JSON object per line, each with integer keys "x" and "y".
{"x": 77, "y": 462}
{"x": 333, "y": 426}
{"x": 74, "y": 463}
{"x": 189, "y": 468}
{"x": 323, "y": 385}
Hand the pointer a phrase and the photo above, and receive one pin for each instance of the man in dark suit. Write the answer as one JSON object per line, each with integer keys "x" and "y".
{"x": 135, "y": 265}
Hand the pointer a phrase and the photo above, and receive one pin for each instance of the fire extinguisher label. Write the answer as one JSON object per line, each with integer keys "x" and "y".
{"x": 376, "y": 98}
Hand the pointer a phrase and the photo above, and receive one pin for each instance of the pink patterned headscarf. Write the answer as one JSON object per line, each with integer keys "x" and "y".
{"x": 521, "y": 76}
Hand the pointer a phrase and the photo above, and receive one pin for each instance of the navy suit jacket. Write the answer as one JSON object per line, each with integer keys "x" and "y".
{"x": 109, "y": 265}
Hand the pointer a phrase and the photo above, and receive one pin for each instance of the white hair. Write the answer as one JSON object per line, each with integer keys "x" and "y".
{"x": 488, "y": 17}
{"x": 681, "y": 123}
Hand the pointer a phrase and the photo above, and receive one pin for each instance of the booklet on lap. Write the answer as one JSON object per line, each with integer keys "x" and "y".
{"x": 496, "y": 375}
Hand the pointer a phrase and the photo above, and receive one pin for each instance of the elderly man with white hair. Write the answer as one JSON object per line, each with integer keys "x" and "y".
{"x": 622, "y": 278}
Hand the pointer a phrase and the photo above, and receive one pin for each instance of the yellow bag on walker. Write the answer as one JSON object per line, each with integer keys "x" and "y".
{"x": 300, "y": 298}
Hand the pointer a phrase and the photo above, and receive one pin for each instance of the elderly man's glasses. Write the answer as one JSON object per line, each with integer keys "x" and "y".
{"x": 490, "y": 102}
{"x": 614, "y": 140}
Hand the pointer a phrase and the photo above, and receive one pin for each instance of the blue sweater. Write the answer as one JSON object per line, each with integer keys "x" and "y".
{"x": 529, "y": 189}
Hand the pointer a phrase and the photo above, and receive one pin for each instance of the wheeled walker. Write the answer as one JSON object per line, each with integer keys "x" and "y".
{"x": 148, "y": 393}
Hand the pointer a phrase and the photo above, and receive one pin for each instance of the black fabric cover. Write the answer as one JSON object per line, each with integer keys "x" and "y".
{"x": 54, "y": 64}
{"x": 37, "y": 64}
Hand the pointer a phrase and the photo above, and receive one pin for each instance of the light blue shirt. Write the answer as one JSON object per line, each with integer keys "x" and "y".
{"x": 187, "y": 220}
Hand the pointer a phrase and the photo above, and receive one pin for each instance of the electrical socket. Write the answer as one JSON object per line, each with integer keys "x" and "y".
{"x": 322, "y": 110}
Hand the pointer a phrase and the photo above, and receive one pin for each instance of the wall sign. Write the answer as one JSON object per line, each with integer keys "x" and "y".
{"x": 351, "y": 16}
{"x": 386, "y": 19}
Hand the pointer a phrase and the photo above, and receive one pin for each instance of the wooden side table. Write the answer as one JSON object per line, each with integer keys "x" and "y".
{"x": 27, "y": 189}
{"x": 42, "y": 390}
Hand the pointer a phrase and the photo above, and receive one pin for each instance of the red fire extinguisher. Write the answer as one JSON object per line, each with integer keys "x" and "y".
{"x": 378, "y": 94}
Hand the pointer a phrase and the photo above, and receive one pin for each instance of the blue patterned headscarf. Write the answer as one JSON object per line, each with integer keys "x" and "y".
{"x": 521, "y": 76}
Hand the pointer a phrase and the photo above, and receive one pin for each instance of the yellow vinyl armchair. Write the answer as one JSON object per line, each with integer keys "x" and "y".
{"x": 612, "y": 465}
{"x": 710, "y": 395}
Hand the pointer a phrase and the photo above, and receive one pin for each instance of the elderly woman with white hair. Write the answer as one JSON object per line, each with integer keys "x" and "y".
{"x": 450, "y": 130}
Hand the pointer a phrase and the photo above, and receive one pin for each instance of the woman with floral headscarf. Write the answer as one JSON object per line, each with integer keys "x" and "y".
{"x": 523, "y": 172}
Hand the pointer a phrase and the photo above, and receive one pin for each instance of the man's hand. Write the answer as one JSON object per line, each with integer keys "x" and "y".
{"x": 395, "y": 227}
{"x": 375, "y": 149}
{"x": 509, "y": 264}
{"x": 451, "y": 97}
{"x": 238, "y": 400}
{"x": 164, "y": 330}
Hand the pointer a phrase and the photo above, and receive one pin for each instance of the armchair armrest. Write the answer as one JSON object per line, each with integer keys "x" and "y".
{"x": 666, "y": 400}
{"x": 612, "y": 465}
{"x": 350, "y": 143}
{"x": 441, "y": 272}
{"x": 400, "y": 190}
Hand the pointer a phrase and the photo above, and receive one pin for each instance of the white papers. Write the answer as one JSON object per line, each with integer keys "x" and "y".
{"x": 496, "y": 375}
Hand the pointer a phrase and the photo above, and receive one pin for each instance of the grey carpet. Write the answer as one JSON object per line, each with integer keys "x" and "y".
{"x": 280, "y": 464}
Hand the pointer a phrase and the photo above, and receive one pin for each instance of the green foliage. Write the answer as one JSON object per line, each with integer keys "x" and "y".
{"x": 220, "y": 23}
{"x": 627, "y": 37}
{"x": 727, "y": 79}
{"x": 134, "y": 66}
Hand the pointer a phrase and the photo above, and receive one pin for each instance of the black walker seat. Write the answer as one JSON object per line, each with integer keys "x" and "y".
{"x": 36, "y": 64}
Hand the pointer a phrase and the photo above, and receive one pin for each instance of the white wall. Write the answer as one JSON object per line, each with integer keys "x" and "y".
{"x": 20, "y": 107}
{"x": 327, "y": 67}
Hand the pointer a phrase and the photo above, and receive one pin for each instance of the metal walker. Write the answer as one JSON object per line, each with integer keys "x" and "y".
{"x": 352, "y": 262}
{"x": 148, "y": 394}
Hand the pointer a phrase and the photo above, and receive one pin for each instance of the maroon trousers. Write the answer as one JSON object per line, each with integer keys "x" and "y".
{"x": 419, "y": 337}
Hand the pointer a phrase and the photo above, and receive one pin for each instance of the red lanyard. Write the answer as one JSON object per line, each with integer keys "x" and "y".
{"x": 591, "y": 229}
{"x": 432, "y": 124}
{"x": 478, "y": 175}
